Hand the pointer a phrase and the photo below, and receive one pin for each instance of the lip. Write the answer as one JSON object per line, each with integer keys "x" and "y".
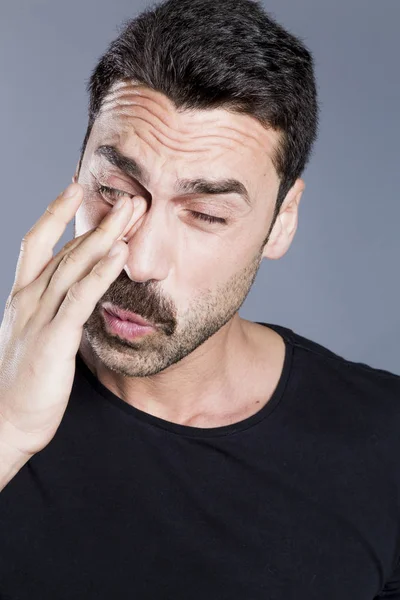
{"x": 127, "y": 316}
{"x": 128, "y": 330}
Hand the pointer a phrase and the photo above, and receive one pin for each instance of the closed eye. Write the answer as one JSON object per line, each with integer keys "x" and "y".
{"x": 114, "y": 194}
{"x": 208, "y": 218}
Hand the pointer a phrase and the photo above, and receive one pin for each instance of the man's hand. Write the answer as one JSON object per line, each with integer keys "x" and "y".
{"x": 41, "y": 331}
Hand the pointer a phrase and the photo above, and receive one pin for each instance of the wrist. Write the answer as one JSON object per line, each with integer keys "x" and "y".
{"x": 12, "y": 457}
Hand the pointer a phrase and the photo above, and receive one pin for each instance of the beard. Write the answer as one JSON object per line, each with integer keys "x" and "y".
{"x": 177, "y": 336}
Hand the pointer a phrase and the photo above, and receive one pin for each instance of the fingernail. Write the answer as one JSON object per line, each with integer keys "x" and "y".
{"x": 71, "y": 190}
{"x": 119, "y": 204}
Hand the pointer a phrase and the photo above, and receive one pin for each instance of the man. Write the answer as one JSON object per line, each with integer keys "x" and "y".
{"x": 202, "y": 455}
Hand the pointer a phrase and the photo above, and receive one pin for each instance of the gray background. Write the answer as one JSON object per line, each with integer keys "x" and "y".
{"x": 339, "y": 282}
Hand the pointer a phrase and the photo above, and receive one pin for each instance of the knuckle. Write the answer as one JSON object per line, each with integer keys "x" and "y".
{"x": 50, "y": 210}
{"x": 27, "y": 239}
{"x": 32, "y": 238}
{"x": 70, "y": 244}
{"x": 97, "y": 272}
{"x": 74, "y": 294}
{"x": 100, "y": 229}
{"x": 69, "y": 259}
{"x": 13, "y": 302}
{"x": 18, "y": 305}
{"x": 64, "y": 263}
{"x": 17, "y": 299}
{"x": 33, "y": 232}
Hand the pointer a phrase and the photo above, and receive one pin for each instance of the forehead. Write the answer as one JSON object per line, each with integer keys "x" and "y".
{"x": 135, "y": 116}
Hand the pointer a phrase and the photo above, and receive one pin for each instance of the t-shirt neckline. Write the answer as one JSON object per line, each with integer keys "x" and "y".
{"x": 188, "y": 430}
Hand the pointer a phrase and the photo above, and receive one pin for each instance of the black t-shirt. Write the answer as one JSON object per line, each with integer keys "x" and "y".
{"x": 299, "y": 501}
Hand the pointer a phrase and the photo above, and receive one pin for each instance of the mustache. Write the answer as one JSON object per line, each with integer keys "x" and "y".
{"x": 144, "y": 299}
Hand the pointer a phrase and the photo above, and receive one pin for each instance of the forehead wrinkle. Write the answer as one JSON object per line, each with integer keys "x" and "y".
{"x": 185, "y": 142}
{"x": 186, "y": 146}
{"x": 141, "y": 91}
{"x": 156, "y": 148}
{"x": 238, "y": 134}
{"x": 109, "y": 105}
{"x": 179, "y": 144}
{"x": 179, "y": 137}
{"x": 194, "y": 121}
{"x": 194, "y": 118}
{"x": 182, "y": 141}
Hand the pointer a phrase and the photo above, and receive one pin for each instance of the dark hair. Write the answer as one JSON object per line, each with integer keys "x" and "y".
{"x": 205, "y": 54}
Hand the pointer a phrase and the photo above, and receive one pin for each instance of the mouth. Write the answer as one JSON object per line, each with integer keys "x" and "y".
{"x": 125, "y": 315}
{"x": 128, "y": 329}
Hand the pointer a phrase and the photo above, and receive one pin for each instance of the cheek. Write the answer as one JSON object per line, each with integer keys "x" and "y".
{"x": 91, "y": 212}
{"x": 204, "y": 270}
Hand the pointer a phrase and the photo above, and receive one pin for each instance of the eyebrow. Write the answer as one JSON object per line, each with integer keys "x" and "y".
{"x": 135, "y": 169}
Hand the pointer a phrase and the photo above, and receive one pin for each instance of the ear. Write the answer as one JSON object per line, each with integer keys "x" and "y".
{"x": 286, "y": 223}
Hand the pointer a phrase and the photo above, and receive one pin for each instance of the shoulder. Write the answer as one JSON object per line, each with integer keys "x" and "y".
{"x": 344, "y": 388}
{"x": 359, "y": 379}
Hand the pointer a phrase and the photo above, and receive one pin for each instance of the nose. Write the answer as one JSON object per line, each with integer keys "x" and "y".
{"x": 149, "y": 244}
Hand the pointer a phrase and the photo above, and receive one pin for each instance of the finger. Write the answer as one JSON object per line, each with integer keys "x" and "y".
{"x": 83, "y": 295}
{"x": 42, "y": 281}
{"x": 77, "y": 263}
{"x": 38, "y": 244}
{"x": 39, "y": 286}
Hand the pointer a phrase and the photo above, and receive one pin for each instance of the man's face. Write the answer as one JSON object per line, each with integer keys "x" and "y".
{"x": 188, "y": 275}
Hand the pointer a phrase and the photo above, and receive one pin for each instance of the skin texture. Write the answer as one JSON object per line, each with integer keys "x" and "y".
{"x": 205, "y": 366}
